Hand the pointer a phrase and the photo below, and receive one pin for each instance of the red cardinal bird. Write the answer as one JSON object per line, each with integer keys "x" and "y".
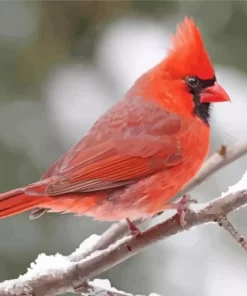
{"x": 140, "y": 153}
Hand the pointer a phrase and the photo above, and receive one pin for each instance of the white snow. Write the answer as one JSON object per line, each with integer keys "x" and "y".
{"x": 56, "y": 266}
{"x": 87, "y": 244}
{"x": 44, "y": 266}
{"x": 105, "y": 284}
{"x": 240, "y": 185}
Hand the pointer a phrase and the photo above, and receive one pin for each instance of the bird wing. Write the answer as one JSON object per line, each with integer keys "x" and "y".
{"x": 131, "y": 141}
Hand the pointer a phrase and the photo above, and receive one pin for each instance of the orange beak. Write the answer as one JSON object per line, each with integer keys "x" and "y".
{"x": 214, "y": 94}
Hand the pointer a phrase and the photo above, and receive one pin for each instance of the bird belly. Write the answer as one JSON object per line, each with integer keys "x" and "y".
{"x": 150, "y": 195}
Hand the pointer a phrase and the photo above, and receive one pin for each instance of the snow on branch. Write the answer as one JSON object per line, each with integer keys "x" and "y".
{"x": 54, "y": 275}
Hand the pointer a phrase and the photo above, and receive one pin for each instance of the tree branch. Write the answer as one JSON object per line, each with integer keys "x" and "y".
{"x": 217, "y": 161}
{"x": 72, "y": 276}
{"x": 53, "y": 275}
{"x": 228, "y": 226}
{"x": 111, "y": 235}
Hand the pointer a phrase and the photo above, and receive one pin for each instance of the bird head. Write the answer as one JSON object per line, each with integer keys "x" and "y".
{"x": 189, "y": 74}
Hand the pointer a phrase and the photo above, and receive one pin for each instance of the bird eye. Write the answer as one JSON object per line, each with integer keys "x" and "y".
{"x": 192, "y": 81}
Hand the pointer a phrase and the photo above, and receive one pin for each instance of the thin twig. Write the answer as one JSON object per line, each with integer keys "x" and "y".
{"x": 227, "y": 225}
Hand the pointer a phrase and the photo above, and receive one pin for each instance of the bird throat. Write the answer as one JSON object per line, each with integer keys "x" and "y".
{"x": 201, "y": 110}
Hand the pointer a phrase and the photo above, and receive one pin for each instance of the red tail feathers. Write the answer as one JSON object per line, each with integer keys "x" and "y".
{"x": 17, "y": 201}
{"x": 34, "y": 197}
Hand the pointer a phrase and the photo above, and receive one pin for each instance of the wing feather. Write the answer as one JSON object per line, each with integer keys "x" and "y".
{"x": 131, "y": 141}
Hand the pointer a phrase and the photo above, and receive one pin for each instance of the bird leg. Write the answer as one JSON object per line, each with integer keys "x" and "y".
{"x": 133, "y": 229}
{"x": 182, "y": 206}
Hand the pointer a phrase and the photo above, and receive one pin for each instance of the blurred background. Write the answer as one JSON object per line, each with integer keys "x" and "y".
{"x": 62, "y": 64}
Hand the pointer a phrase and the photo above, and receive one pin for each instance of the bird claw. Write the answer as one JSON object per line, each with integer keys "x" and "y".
{"x": 135, "y": 231}
{"x": 182, "y": 206}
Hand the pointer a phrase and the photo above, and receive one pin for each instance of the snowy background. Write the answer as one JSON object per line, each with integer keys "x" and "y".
{"x": 62, "y": 64}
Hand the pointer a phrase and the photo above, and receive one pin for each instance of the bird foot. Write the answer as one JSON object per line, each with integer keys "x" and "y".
{"x": 133, "y": 229}
{"x": 182, "y": 206}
